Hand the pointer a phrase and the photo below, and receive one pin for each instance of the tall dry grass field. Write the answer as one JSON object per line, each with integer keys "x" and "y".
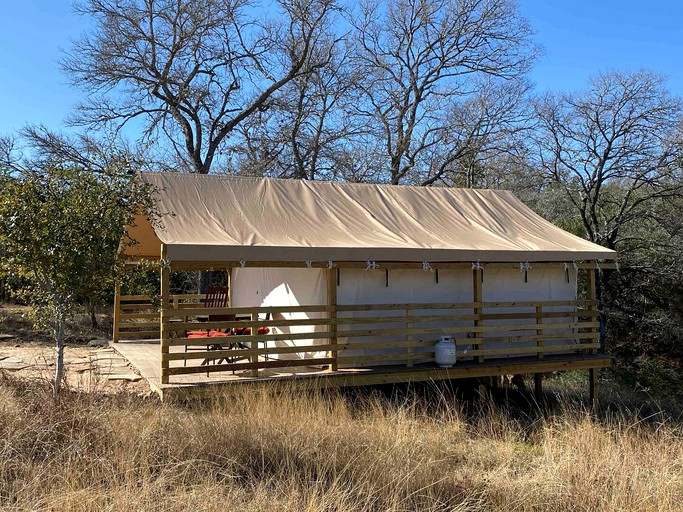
{"x": 297, "y": 451}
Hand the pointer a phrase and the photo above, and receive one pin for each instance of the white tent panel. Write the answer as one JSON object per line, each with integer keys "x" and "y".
{"x": 508, "y": 285}
{"x": 402, "y": 287}
{"x": 253, "y": 287}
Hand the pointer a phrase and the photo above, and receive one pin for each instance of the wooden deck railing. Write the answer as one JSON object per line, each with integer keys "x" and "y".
{"x": 367, "y": 335}
{"x": 137, "y": 316}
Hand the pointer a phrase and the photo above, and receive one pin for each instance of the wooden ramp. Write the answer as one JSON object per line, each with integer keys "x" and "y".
{"x": 145, "y": 357}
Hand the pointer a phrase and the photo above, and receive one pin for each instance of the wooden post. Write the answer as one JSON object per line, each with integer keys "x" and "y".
{"x": 409, "y": 337}
{"x": 229, "y": 270}
{"x": 538, "y": 386}
{"x": 539, "y": 332}
{"x": 593, "y": 372}
{"x": 164, "y": 320}
{"x": 538, "y": 377}
{"x": 254, "y": 344}
{"x": 477, "y": 296}
{"x": 332, "y": 314}
{"x": 117, "y": 312}
{"x": 593, "y": 388}
{"x": 591, "y": 294}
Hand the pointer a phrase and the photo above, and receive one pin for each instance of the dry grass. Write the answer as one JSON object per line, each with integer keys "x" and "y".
{"x": 313, "y": 452}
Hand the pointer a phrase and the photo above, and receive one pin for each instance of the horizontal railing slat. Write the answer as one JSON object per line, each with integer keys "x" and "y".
{"x": 286, "y": 363}
{"x": 377, "y": 320}
{"x": 527, "y": 350}
{"x": 244, "y": 352}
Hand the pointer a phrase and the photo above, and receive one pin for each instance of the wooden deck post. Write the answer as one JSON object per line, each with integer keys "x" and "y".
{"x": 410, "y": 337}
{"x": 254, "y": 344}
{"x": 591, "y": 294}
{"x": 332, "y": 314}
{"x": 229, "y": 272}
{"x": 593, "y": 389}
{"x": 163, "y": 316}
{"x": 477, "y": 296}
{"x": 117, "y": 312}
{"x": 539, "y": 332}
{"x": 593, "y": 372}
{"x": 538, "y": 386}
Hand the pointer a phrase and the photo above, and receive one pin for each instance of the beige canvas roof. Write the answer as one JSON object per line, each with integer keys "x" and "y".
{"x": 227, "y": 218}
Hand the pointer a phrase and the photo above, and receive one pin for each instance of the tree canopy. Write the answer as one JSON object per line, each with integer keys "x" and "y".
{"x": 60, "y": 229}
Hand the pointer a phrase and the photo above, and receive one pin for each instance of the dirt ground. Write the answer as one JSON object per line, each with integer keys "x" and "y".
{"x": 91, "y": 365}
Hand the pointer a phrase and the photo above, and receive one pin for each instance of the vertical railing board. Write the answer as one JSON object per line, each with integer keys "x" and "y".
{"x": 332, "y": 301}
{"x": 539, "y": 331}
{"x": 593, "y": 372}
{"x": 477, "y": 297}
{"x": 229, "y": 272}
{"x": 592, "y": 295}
{"x": 409, "y": 337}
{"x": 163, "y": 315}
{"x": 538, "y": 377}
{"x": 254, "y": 344}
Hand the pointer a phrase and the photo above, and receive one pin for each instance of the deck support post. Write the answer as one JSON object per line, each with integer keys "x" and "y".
{"x": 117, "y": 312}
{"x": 477, "y": 277}
{"x": 592, "y": 294}
{"x": 538, "y": 386}
{"x": 593, "y": 389}
{"x": 331, "y": 275}
{"x": 163, "y": 316}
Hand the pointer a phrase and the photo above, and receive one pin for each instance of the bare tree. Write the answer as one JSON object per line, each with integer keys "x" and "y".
{"x": 192, "y": 70}
{"x": 98, "y": 154}
{"x": 419, "y": 57}
{"x": 615, "y": 150}
{"x": 481, "y": 137}
{"x": 308, "y": 131}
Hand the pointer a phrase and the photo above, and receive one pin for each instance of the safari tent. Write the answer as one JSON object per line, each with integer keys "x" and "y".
{"x": 351, "y": 283}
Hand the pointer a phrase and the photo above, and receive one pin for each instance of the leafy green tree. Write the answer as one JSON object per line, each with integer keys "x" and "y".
{"x": 60, "y": 228}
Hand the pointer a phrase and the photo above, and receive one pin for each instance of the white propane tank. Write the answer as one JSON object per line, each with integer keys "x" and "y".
{"x": 444, "y": 352}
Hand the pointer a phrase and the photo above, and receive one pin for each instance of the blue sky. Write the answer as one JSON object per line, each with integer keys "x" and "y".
{"x": 580, "y": 38}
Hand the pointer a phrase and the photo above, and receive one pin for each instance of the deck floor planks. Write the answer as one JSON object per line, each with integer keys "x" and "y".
{"x": 145, "y": 356}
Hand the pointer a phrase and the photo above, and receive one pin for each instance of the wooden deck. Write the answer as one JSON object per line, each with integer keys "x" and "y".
{"x": 145, "y": 357}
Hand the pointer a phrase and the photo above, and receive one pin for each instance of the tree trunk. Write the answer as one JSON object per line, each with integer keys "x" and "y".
{"x": 59, "y": 359}
{"x": 205, "y": 281}
{"x": 93, "y": 317}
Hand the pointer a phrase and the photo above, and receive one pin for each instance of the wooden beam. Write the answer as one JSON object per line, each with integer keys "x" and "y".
{"x": 391, "y": 265}
{"x": 164, "y": 318}
{"x": 384, "y": 375}
{"x": 194, "y": 310}
{"x": 117, "y": 311}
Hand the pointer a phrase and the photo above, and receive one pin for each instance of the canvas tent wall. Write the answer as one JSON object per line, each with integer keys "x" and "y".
{"x": 292, "y": 287}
